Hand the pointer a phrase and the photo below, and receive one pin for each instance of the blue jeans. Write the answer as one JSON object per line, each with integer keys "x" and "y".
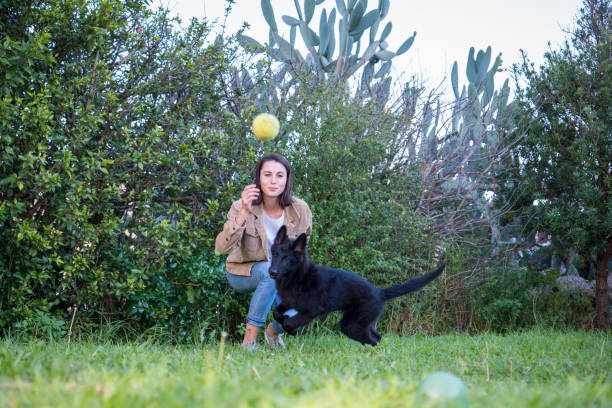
{"x": 264, "y": 296}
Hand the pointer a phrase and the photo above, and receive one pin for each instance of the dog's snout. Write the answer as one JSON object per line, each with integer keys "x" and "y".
{"x": 273, "y": 272}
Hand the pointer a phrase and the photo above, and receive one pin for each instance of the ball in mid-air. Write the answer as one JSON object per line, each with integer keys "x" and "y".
{"x": 265, "y": 126}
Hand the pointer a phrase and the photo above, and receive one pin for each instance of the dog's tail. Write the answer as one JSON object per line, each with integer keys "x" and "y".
{"x": 412, "y": 285}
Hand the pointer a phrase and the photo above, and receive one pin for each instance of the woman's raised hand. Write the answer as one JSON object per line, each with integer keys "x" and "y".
{"x": 249, "y": 194}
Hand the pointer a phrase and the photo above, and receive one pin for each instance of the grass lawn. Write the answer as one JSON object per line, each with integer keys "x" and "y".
{"x": 533, "y": 369}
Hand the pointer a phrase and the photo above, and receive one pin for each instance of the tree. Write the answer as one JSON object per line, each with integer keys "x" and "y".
{"x": 564, "y": 163}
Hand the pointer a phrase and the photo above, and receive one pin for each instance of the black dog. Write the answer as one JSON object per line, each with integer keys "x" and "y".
{"x": 314, "y": 290}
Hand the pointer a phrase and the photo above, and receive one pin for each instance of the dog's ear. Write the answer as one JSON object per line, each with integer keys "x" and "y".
{"x": 299, "y": 245}
{"x": 281, "y": 236}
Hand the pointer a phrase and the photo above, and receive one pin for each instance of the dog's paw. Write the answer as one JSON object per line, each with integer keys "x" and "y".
{"x": 279, "y": 317}
{"x": 290, "y": 329}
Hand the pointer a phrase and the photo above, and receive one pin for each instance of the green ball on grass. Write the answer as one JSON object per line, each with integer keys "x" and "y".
{"x": 441, "y": 385}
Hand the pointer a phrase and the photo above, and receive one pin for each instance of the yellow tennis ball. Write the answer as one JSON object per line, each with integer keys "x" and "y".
{"x": 265, "y": 126}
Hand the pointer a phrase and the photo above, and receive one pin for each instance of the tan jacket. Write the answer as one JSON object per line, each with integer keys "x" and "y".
{"x": 247, "y": 244}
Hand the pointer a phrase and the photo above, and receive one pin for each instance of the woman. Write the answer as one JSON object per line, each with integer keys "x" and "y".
{"x": 247, "y": 237}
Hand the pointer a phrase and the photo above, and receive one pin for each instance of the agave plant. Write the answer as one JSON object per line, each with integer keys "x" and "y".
{"x": 337, "y": 50}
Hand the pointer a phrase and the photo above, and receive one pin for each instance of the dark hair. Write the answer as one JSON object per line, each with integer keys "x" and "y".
{"x": 286, "y": 199}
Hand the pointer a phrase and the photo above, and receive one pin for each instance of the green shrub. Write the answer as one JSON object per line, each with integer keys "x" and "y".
{"x": 115, "y": 148}
{"x": 519, "y": 298}
{"x": 187, "y": 299}
{"x": 346, "y": 163}
{"x": 477, "y": 296}
{"x": 506, "y": 298}
{"x": 361, "y": 197}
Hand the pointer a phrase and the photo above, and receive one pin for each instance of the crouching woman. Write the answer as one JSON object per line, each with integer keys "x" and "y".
{"x": 247, "y": 237}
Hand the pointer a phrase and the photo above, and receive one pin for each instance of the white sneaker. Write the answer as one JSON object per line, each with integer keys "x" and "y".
{"x": 274, "y": 341}
{"x": 250, "y": 346}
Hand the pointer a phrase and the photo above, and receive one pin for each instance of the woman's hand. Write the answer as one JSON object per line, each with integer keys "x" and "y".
{"x": 249, "y": 194}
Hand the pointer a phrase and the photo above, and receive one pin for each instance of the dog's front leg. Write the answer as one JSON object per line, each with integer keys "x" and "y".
{"x": 293, "y": 323}
{"x": 278, "y": 313}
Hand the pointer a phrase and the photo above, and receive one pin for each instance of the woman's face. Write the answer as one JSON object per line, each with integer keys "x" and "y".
{"x": 273, "y": 179}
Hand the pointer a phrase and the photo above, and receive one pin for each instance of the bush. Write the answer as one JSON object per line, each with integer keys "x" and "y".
{"x": 362, "y": 199}
{"x": 504, "y": 298}
{"x": 187, "y": 299}
{"x": 517, "y": 299}
{"x": 114, "y": 149}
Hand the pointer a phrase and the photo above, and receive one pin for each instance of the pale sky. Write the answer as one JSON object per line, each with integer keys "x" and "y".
{"x": 446, "y": 29}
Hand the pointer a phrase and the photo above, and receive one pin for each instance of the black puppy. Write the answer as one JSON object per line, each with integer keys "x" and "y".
{"x": 314, "y": 290}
